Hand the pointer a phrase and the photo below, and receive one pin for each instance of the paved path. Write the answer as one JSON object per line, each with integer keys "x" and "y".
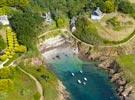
{"x": 39, "y": 86}
{"x": 1, "y": 65}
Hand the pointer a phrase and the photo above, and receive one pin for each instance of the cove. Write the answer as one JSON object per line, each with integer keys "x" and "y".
{"x": 63, "y": 62}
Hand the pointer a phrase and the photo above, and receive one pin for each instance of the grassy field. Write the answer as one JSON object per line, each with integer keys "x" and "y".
{"x": 47, "y": 79}
{"x": 121, "y": 26}
{"x": 24, "y": 88}
{"x": 127, "y": 63}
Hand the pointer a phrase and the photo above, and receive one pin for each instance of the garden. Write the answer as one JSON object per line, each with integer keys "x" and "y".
{"x": 13, "y": 46}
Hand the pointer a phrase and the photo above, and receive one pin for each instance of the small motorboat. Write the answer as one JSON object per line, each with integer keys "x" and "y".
{"x": 72, "y": 74}
{"x": 81, "y": 71}
{"x": 85, "y": 78}
{"x": 79, "y": 81}
{"x": 84, "y": 83}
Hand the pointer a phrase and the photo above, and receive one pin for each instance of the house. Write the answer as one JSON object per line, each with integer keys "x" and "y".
{"x": 4, "y": 20}
{"x": 48, "y": 18}
{"x": 73, "y": 24}
{"x": 97, "y": 14}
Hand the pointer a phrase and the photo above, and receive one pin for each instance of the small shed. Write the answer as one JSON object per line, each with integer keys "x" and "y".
{"x": 97, "y": 14}
{"x": 4, "y": 20}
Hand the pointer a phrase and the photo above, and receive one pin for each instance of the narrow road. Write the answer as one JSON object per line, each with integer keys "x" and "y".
{"x": 39, "y": 86}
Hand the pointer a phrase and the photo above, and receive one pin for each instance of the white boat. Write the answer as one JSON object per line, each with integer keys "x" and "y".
{"x": 85, "y": 78}
{"x": 72, "y": 74}
{"x": 84, "y": 83}
{"x": 81, "y": 71}
{"x": 79, "y": 81}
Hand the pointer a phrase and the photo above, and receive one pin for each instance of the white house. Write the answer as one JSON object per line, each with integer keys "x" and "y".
{"x": 97, "y": 14}
{"x": 4, "y": 20}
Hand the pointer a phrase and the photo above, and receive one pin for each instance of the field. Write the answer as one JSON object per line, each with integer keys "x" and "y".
{"x": 122, "y": 28}
{"x": 23, "y": 89}
{"x": 127, "y": 63}
{"x": 47, "y": 79}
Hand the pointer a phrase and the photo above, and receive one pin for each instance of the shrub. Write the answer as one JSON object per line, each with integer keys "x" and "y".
{"x": 61, "y": 22}
{"x": 109, "y": 6}
{"x": 2, "y": 43}
{"x": 27, "y": 26}
{"x": 5, "y": 73}
{"x": 3, "y": 57}
{"x": 20, "y": 49}
{"x": 133, "y": 15}
{"x": 115, "y": 23}
{"x": 126, "y": 7}
{"x": 87, "y": 32}
{"x": 6, "y": 84}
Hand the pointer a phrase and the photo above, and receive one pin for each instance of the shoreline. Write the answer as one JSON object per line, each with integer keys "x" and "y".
{"x": 63, "y": 94}
{"x": 123, "y": 89}
{"x": 124, "y": 92}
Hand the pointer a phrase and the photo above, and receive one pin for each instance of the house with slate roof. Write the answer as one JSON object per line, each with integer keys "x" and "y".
{"x": 97, "y": 14}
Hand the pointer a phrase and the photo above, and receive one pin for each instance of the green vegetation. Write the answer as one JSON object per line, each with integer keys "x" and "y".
{"x": 108, "y": 6}
{"x": 47, "y": 79}
{"x": 52, "y": 34}
{"x": 122, "y": 41}
{"x": 8, "y": 11}
{"x": 126, "y": 7}
{"x": 87, "y": 32}
{"x": 13, "y": 46}
{"x": 62, "y": 22}
{"x": 27, "y": 26}
{"x": 2, "y": 43}
{"x": 115, "y": 23}
{"x": 14, "y": 3}
{"x": 127, "y": 63}
{"x": 15, "y": 85}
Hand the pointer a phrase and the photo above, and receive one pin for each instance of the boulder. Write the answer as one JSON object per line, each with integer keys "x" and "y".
{"x": 115, "y": 77}
{"x": 121, "y": 82}
{"x": 127, "y": 91}
{"x": 120, "y": 90}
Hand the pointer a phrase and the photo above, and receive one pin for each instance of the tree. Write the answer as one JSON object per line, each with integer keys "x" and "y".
{"x": 75, "y": 7}
{"x": 5, "y": 73}
{"x": 126, "y": 7}
{"x": 109, "y": 6}
{"x": 27, "y": 25}
{"x": 14, "y": 3}
{"x": 87, "y": 32}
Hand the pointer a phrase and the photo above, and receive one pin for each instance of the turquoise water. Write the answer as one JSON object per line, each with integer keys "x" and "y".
{"x": 97, "y": 85}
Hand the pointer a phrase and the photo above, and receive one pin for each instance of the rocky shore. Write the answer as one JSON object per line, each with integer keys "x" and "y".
{"x": 123, "y": 89}
{"x": 63, "y": 94}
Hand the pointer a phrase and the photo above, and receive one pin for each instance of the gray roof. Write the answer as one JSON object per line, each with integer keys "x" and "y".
{"x": 98, "y": 12}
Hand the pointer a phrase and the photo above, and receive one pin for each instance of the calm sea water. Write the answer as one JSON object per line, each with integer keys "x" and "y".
{"x": 97, "y": 85}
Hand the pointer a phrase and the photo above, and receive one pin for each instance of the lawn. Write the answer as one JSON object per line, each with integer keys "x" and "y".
{"x": 47, "y": 79}
{"x": 127, "y": 63}
{"x": 24, "y": 88}
{"x": 99, "y": 33}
